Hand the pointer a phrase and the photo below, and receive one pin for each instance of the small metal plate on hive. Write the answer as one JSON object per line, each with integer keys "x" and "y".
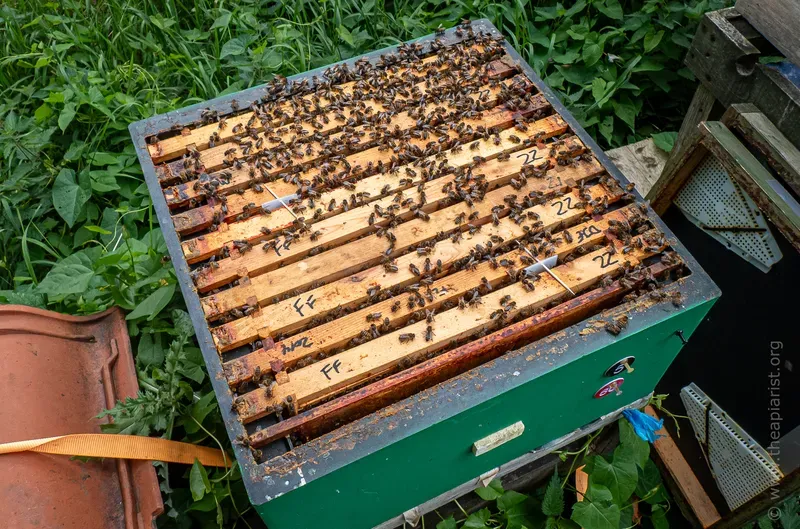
{"x": 498, "y": 438}
{"x": 624, "y": 364}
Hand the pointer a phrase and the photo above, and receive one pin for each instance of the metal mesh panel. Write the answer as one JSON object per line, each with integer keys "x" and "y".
{"x": 740, "y": 465}
{"x": 711, "y": 198}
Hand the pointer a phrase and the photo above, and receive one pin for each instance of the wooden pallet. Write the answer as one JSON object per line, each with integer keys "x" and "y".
{"x": 372, "y": 228}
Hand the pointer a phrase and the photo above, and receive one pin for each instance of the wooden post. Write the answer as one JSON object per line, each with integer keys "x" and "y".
{"x": 684, "y": 156}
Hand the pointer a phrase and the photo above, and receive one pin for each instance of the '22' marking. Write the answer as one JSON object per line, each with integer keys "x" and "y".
{"x": 564, "y": 205}
{"x": 605, "y": 259}
{"x": 530, "y": 156}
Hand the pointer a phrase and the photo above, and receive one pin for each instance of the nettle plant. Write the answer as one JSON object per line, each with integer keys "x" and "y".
{"x": 618, "y": 66}
{"x": 625, "y": 490}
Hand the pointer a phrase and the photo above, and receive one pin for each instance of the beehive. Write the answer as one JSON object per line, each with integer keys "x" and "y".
{"x": 353, "y": 242}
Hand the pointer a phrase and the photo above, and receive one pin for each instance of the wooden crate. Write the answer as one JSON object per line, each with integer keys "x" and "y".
{"x": 361, "y": 235}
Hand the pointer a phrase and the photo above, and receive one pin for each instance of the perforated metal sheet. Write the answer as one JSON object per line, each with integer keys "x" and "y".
{"x": 740, "y": 465}
{"x": 711, "y": 198}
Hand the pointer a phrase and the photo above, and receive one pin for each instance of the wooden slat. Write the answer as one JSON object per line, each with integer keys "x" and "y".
{"x": 363, "y": 253}
{"x": 681, "y": 472}
{"x": 681, "y": 161}
{"x": 335, "y": 96}
{"x": 321, "y": 380}
{"x": 182, "y": 194}
{"x": 293, "y": 313}
{"x": 354, "y": 222}
{"x": 762, "y": 134}
{"x": 361, "y": 401}
{"x": 202, "y": 217}
{"x": 338, "y": 332}
{"x": 373, "y": 188}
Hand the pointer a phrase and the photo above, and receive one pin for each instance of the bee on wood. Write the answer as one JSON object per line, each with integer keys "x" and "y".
{"x": 617, "y": 325}
{"x": 505, "y": 299}
{"x": 429, "y": 334}
{"x": 498, "y": 315}
{"x": 414, "y": 269}
{"x": 429, "y": 315}
{"x": 475, "y": 300}
{"x": 677, "y": 299}
{"x": 242, "y": 246}
{"x": 396, "y": 306}
{"x": 407, "y": 337}
{"x": 411, "y": 303}
{"x": 374, "y": 316}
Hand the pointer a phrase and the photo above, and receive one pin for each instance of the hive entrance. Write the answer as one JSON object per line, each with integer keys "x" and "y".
{"x": 373, "y": 224}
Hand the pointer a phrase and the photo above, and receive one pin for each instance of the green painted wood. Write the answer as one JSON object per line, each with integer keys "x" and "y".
{"x": 428, "y": 463}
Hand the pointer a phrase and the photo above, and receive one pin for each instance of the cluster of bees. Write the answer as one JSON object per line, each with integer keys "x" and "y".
{"x": 423, "y": 168}
{"x": 281, "y": 113}
{"x": 445, "y": 128}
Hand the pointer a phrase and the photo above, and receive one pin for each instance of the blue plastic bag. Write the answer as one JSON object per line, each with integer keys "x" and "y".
{"x": 643, "y": 425}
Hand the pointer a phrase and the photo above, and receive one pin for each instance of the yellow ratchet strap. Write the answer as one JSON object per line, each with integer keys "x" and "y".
{"x": 121, "y": 447}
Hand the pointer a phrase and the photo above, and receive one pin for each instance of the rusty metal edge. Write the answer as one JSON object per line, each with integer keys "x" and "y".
{"x": 697, "y": 288}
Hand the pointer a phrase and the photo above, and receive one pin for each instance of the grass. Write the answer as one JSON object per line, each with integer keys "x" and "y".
{"x": 78, "y": 233}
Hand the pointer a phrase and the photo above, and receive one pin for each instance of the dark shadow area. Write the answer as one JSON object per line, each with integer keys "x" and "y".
{"x": 749, "y": 336}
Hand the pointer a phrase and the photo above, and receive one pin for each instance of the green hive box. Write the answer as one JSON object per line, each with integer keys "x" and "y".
{"x": 368, "y": 470}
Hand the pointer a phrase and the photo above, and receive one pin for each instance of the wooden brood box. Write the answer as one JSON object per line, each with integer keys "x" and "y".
{"x": 349, "y": 239}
